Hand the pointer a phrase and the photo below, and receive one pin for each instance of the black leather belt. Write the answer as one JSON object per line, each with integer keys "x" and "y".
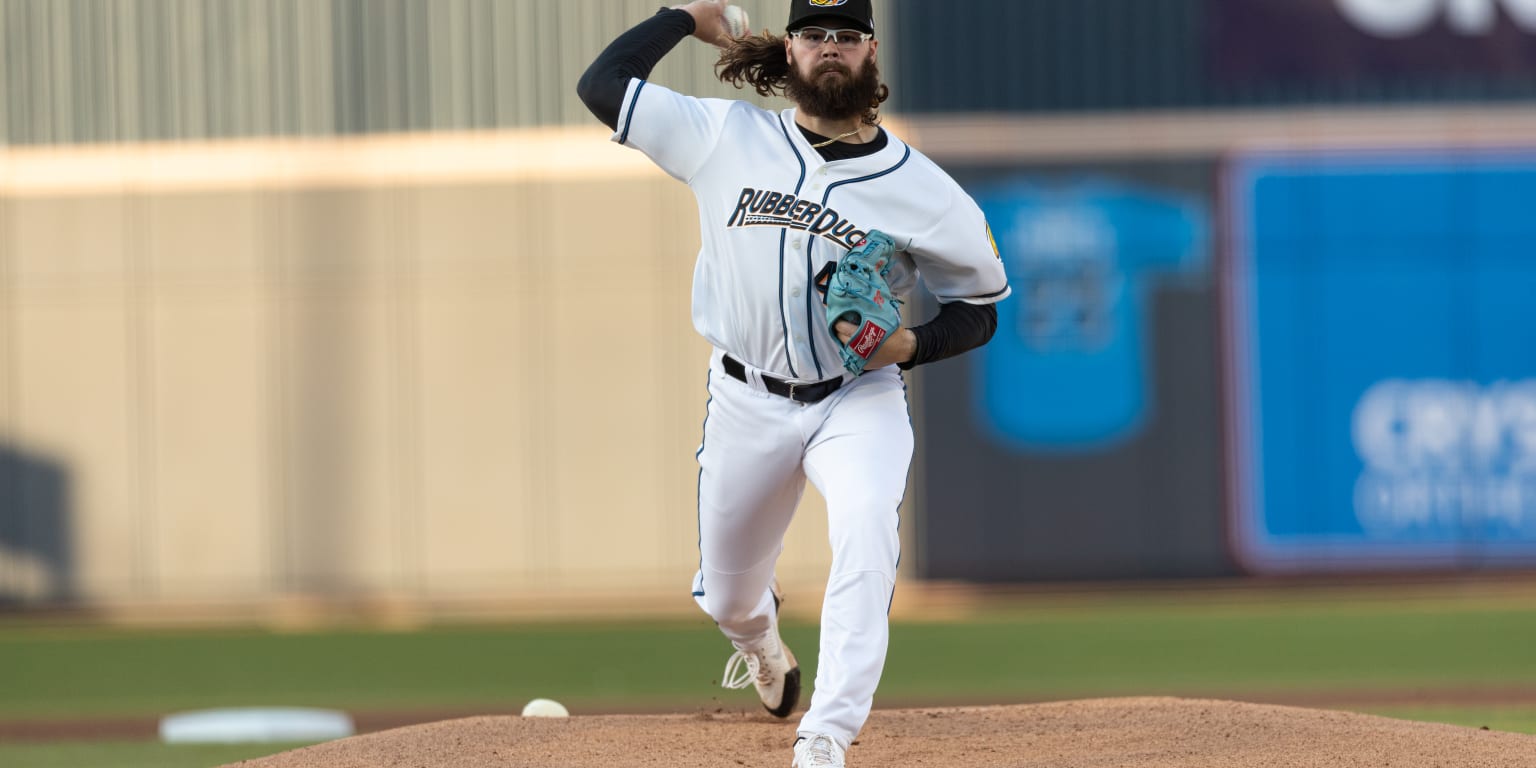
{"x": 813, "y": 392}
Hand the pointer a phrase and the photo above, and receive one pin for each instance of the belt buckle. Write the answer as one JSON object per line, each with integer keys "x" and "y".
{"x": 792, "y": 386}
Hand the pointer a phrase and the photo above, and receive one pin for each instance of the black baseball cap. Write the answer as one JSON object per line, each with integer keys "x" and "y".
{"x": 857, "y": 12}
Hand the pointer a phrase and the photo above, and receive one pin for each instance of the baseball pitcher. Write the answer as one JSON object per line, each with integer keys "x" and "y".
{"x": 815, "y": 223}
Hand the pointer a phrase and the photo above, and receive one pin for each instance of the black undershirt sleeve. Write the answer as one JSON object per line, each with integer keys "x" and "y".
{"x": 959, "y": 327}
{"x": 633, "y": 55}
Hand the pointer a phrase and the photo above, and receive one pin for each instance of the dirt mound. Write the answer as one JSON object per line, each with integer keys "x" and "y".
{"x": 1100, "y": 733}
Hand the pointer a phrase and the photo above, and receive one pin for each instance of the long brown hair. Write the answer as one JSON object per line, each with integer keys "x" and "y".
{"x": 759, "y": 61}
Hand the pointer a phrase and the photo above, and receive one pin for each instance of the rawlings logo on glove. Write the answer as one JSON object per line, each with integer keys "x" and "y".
{"x": 858, "y": 293}
{"x": 869, "y": 339}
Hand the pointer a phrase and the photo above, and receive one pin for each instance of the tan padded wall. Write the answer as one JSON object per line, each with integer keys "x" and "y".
{"x": 71, "y": 369}
{"x": 438, "y": 390}
{"x": 204, "y": 444}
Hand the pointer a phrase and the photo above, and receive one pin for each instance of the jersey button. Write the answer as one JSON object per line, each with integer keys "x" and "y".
{"x": 795, "y": 242}
{"x": 795, "y": 293}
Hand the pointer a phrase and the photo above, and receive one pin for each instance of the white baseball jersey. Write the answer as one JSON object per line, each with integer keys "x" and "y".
{"x": 774, "y": 218}
{"x": 773, "y": 214}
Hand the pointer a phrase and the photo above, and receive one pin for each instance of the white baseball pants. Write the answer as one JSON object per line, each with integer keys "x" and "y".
{"x": 758, "y": 450}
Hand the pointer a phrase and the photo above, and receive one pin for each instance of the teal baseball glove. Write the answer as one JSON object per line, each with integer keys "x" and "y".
{"x": 857, "y": 292}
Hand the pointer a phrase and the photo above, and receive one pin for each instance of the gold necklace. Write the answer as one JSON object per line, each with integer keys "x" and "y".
{"x": 836, "y": 138}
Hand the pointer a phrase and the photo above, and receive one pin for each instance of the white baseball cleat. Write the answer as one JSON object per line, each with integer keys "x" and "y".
{"x": 817, "y": 751}
{"x": 771, "y": 667}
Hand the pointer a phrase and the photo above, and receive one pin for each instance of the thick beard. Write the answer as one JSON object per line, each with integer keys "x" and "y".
{"x": 838, "y": 99}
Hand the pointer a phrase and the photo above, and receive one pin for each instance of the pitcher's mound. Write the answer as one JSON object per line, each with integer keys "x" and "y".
{"x": 1101, "y": 733}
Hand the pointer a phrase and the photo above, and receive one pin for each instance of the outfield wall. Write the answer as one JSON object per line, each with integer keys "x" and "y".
{"x": 460, "y": 366}
{"x": 424, "y": 365}
{"x": 297, "y": 299}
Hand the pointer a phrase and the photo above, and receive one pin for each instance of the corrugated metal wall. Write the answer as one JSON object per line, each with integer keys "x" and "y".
{"x": 136, "y": 70}
{"x": 123, "y": 71}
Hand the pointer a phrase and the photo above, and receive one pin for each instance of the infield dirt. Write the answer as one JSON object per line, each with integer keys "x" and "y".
{"x": 1098, "y": 733}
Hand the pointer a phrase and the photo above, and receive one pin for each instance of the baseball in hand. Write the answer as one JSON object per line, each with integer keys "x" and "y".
{"x": 736, "y": 21}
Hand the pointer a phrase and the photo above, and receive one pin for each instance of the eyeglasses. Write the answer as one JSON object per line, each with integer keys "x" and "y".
{"x": 815, "y": 37}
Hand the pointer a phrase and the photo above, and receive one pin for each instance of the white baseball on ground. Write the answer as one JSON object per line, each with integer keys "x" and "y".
{"x": 545, "y": 708}
{"x": 736, "y": 21}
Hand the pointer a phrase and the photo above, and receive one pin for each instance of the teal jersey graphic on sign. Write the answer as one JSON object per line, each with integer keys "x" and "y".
{"x": 1066, "y": 370}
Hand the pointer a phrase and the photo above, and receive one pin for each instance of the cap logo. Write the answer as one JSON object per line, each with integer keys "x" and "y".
{"x": 827, "y": 3}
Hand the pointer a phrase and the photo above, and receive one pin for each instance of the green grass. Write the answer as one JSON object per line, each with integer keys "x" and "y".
{"x": 1518, "y": 719}
{"x": 1189, "y": 650}
{"x": 1219, "y": 653}
{"x": 131, "y": 754}
{"x": 1238, "y": 647}
{"x": 92, "y": 672}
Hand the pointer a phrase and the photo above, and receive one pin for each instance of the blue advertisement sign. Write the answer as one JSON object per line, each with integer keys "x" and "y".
{"x": 1380, "y": 311}
{"x": 1067, "y": 368}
